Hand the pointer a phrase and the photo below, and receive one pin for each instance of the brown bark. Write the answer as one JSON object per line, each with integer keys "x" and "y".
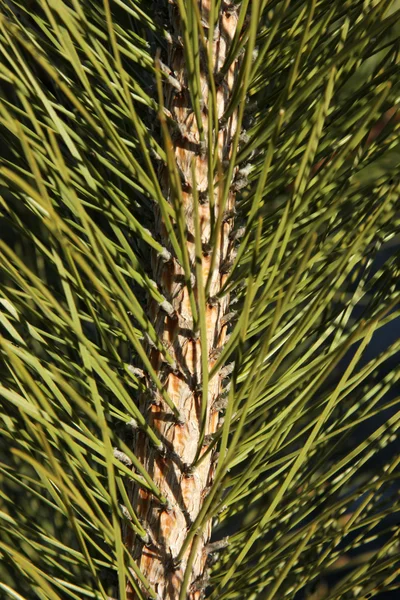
{"x": 167, "y": 528}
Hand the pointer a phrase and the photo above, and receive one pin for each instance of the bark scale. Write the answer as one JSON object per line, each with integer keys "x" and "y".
{"x": 167, "y": 528}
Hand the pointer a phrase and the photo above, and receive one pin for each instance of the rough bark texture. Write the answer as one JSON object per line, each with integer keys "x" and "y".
{"x": 167, "y": 528}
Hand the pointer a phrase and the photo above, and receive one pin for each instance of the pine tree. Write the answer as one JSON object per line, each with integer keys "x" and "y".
{"x": 199, "y": 215}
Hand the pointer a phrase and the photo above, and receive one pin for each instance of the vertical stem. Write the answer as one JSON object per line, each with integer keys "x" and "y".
{"x": 188, "y": 385}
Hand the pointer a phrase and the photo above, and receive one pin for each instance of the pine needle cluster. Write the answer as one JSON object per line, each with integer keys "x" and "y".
{"x": 199, "y": 267}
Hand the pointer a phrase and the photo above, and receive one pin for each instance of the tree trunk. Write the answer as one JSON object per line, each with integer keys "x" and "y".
{"x": 185, "y": 490}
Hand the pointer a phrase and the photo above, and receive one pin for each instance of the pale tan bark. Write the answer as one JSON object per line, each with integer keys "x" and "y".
{"x": 168, "y": 528}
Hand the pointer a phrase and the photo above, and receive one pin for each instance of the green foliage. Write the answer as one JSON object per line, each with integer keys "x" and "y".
{"x": 307, "y": 477}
